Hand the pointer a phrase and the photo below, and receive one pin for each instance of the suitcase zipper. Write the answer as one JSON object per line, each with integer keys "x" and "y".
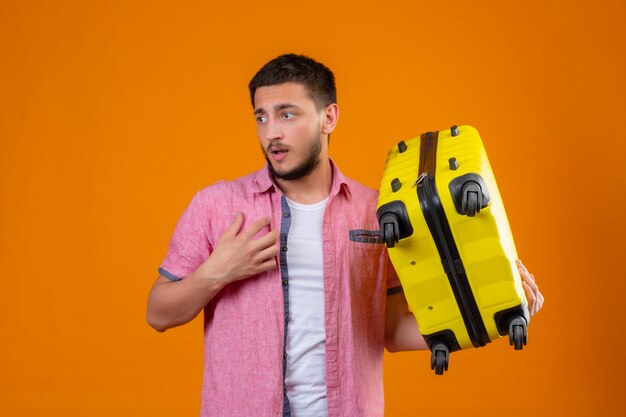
{"x": 432, "y": 209}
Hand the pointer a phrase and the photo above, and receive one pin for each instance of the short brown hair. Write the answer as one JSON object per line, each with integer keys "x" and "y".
{"x": 318, "y": 80}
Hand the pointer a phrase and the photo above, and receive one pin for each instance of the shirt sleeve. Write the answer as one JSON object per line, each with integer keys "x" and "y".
{"x": 189, "y": 246}
{"x": 393, "y": 282}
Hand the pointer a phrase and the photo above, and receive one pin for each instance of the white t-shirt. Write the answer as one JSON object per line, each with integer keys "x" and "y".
{"x": 305, "y": 378}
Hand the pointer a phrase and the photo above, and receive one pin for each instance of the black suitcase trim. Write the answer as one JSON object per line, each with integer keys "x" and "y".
{"x": 444, "y": 336}
{"x": 437, "y": 222}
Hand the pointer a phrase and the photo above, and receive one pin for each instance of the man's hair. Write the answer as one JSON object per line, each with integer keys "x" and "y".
{"x": 318, "y": 80}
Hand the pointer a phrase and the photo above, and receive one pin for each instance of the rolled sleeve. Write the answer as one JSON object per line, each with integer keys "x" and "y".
{"x": 189, "y": 246}
{"x": 393, "y": 282}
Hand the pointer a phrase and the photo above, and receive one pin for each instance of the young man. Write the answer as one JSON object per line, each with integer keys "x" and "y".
{"x": 298, "y": 293}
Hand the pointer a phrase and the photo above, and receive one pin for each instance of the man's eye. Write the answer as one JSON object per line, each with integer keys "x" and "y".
{"x": 261, "y": 119}
{"x": 288, "y": 115}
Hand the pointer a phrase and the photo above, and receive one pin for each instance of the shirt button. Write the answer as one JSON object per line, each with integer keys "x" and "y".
{"x": 285, "y": 391}
{"x": 286, "y": 214}
{"x": 285, "y": 355}
{"x": 288, "y": 319}
{"x": 285, "y": 282}
{"x": 284, "y": 248}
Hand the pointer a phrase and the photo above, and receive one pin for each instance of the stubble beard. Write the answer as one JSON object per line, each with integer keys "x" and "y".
{"x": 305, "y": 168}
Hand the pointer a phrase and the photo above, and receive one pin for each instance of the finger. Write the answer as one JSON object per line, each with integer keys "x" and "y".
{"x": 527, "y": 276}
{"x": 539, "y": 302}
{"x": 235, "y": 226}
{"x": 534, "y": 288}
{"x": 255, "y": 228}
{"x": 523, "y": 267}
{"x": 267, "y": 253}
{"x": 527, "y": 290}
{"x": 266, "y": 265}
{"x": 531, "y": 283}
{"x": 530, "y": 297}
{"x": 523, "y": 274}
{"x": 267, "y": 240}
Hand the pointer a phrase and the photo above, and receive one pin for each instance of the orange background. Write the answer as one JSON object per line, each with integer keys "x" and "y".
{"x": 112, "y": 114}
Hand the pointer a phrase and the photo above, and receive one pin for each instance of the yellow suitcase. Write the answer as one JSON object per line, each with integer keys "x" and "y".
{"x": 444, "y": 224}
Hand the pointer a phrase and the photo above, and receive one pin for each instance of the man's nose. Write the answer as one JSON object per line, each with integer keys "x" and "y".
{"x": 272, "y": 130}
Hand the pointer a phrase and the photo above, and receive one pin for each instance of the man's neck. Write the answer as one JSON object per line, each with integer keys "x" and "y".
{"x": 310, "y": 189}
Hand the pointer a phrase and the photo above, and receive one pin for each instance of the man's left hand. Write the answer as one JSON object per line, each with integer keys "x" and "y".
{"x": 533, "y": 295}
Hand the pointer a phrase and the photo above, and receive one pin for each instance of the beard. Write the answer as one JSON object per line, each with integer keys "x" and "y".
{"x": 307, "y": 166}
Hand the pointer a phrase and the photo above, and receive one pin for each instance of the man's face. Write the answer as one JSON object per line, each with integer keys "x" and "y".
{"x": 290, "y": 129}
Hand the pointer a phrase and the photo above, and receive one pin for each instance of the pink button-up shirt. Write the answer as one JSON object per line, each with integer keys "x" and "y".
{"x": 245, "y": 323}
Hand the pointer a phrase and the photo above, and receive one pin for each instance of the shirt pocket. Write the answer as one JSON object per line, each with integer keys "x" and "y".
{"x": 371, "y": 237}
{"x": 366, "y": 241}
{"x": 366, "y": 264}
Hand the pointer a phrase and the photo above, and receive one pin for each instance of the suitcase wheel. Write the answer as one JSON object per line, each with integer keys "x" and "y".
{"x": 439, "y": 359}
{"x": 469, "y": 194}
{"x": 471, "y": 199}
{"x": 518, "y": 332}
{"x": 394, "y": 222}
{"x": 390, "y": 234}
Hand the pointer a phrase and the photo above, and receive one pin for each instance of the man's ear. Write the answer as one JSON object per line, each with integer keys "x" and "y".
{"x": 330, "y": 115}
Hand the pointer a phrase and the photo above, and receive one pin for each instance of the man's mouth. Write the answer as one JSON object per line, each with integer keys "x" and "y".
{"x": 278, "y": 153}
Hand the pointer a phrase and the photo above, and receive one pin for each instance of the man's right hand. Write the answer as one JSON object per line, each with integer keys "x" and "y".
{"x": 237, "y": 255}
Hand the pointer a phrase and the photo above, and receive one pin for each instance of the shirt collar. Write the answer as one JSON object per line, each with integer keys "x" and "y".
{"x": 263, "y": 182}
